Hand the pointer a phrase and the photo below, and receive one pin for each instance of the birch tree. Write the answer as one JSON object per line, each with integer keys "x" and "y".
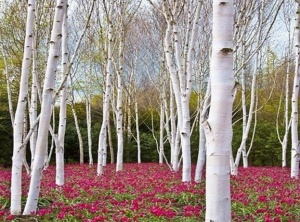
{"x": 118, "y": 109}
{"x": 34, "y": 94}
{"x": 247, "y": 124}
{"x": 202, "y": 139}
{"x": 180, "y": 69}
{"x": 45, "y": 116}
{"x": 60, "y": 178}
{"x": 218, "y": 126}
{"x": 18, "y": 149}
{"x": 295, "y": 94}
{"x": 66, "y": 69}
{"x": 287, "y": 8}
{"x": 260, "y": 39}
{"x": 201, "y": 75}
{"x": 89, "y": 115}
{"x": 8, "y": 84}
{"x": 108, "y": 85}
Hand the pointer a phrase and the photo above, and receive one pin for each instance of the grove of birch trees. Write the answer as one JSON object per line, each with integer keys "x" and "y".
{"x": 198, "y": 82}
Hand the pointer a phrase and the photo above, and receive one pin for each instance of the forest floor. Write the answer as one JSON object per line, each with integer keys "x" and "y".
{"x": 151, "y": 192}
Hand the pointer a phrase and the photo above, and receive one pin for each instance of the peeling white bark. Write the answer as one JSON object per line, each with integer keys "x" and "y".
{"x": 60, "y": 177}
{"x": 49, "y": 83}
{"x": 294, "y": 113}
{"x": 18, "y": 149}
{"x": 218, "y": 126}
{"x": 107, "y": 95}
{"x": 119, "y": 111}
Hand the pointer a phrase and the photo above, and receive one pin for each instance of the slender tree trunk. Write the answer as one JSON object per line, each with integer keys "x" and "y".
{"x": 244, "y": 105}
{"x": 119, "y": 114}
{"x": 89, "y": 124}
{"x": 186, "y": 87}
{"x": 53, "y": 141}
{"x": 161, "y": 132}
{"x": 81, "y": 151}
{"x": 60, "y": 177}
{"x": 202, "y": 139}
{"x": 24, "y": 160}
{"x": 174, "y": 148}
{"x": 218, "y": 126}
{"x": 201, "y": 155}
{"x": 108, "y": 86}
{"x": 137, "y": 127}
{"x": 105, "y": 144}
{"x": 119, "y": 111}
{"x": 287, "y": 93}
{"x": 49, "y": 84}
{"x": 129, "y": 131}
{"x": 295, "y": 95}
{"x": 181, "y": 72}
{"x": 34, "y": 99}
{"x": 286, "y": 114}
{"x": 110, "y": 143}
{"x": 246, "y": 129}
{"x": 89, "y": 118}
{"x": 161, "y": 118}
{"x": 18, "y": 150}
{"x": 175, "y": 86}
{"x": 8, "y": 86}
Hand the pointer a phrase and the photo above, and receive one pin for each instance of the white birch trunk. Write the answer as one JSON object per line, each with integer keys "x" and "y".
{"x": 295, "y": 95}
{"x": 201, "y": 155}
{"x": 34, "y": 100}
{"x": 161, "y": 118}
{"x": 186, "y": 87}
{"x": 89, "y": 123}
{"x": 287, "y": 93}
{"x": 161, "y": 133}
{"x": 108, "y": 85}
{"x": 8, "y": 86}
{"x": 119, "y": 111}
{"x": 174, "y": 149}
{"x": 24, "y": 160}
{"x": 166, "y": 119}
{"x": 175, "y": 86}
{"x": 80, "y": 140}
{"x": 119, "y": 115}
{"x": 18, "y": 151}
{"x": 286, "y": 115}
{"x": 60, "y": 177}
{"x": 218, "y": 127}
{"x": 202, "y": 140}
{"x": 129, "y": 132}
{"x": 137, "y": 127}
{"x": 110, "y": 143}
{"x": 246, "y": 129}
{"x": 244, "y": 106}
{"x": 53, "y": 140}
{"x": 105, "y": 144}
{"x": 41, "y": 149}
{"x": 181, "y": 76}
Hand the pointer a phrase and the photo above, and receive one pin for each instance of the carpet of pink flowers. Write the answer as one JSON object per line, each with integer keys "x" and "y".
{"x": 151, "y": 192}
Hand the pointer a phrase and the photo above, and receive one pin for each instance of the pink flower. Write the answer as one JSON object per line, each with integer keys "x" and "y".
{"x": 10, "y": 217}
{"x": 158, "y": 211}
{"x": 98, "y": 219}
{"x": 278, "y": 211}
{"x": 191, "y": 211}
{"x": 267, "y": 218}
{"x": 262, "y": 198}
{"x": 61, "y": 215}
